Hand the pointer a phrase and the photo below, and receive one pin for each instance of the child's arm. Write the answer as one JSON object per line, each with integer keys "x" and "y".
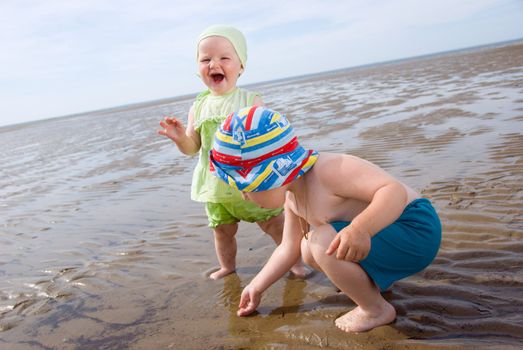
{"x": 387, "y": 198}
{"x": 284, "y": 256}
{"x": 187, "y": 139}
{"x": 258, "y": 101}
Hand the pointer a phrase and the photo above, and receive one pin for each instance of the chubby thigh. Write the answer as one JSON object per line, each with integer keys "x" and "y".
{"x": 315, "y": 244}
{"x": 403, "y": 248}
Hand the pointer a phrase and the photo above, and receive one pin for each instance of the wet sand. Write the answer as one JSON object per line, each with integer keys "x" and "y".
{"x": 102, "y": 248}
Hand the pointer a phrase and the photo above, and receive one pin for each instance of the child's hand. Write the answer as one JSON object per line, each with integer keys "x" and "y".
{"x": 249, "y": 301}
{"x": 172, "y": 128}
{"x": 351, "y": 245}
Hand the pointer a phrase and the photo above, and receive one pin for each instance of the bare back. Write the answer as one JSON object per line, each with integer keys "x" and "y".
{"x": 338, "y": 188}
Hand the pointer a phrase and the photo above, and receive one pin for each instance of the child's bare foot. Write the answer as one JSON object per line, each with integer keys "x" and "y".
{"x": 358, "y": 320}
{"x": 222, "y": 272}
{"x": 300, "y": 270}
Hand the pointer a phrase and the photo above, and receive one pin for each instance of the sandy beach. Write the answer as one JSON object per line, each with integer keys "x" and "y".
{"x": 102, "y": 248}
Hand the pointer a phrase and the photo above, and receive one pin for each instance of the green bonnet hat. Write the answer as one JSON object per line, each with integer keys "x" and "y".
{"x": 230, "y": 33}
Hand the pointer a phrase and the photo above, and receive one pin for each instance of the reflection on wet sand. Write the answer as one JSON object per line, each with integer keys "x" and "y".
{"x": 101, "y": 246}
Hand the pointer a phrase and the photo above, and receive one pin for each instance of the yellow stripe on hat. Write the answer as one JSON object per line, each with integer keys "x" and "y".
{"x": 225, "y": 138}
{"x": 232, "y": 183}
{"x": 276, "y": 116}
{"x": 243, "y": 112}
{"x": 310, "y": 162}
{"x": 260, "y": 178}
{"x": 266, "y": 137}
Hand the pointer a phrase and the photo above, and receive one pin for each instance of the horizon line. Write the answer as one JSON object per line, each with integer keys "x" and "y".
{"x": 165, "y": 100}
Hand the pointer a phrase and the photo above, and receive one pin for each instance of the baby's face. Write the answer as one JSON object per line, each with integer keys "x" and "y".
{"x": 218, "y": 64}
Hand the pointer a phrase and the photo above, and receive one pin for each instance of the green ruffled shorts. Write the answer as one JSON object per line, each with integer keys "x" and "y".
{"x": 229, "y": 213}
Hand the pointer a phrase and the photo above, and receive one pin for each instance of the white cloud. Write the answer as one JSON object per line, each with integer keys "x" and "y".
{"x": 68, "y": 56}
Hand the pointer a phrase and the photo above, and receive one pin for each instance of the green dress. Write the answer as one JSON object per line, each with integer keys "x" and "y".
{"x": 209, "y": 112}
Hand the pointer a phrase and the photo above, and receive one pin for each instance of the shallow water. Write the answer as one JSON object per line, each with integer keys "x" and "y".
{"x": 101, "y": 246}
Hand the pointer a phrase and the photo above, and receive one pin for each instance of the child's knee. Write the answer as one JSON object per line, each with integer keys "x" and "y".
{"x": 225, "y": 230}
{"x": 306, "y": 254}
{"x": 272, "y": 225}
{"x": 319, "y": 240}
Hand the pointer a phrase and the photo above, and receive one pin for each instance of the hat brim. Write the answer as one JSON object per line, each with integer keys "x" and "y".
{"x": 269, "y": 174}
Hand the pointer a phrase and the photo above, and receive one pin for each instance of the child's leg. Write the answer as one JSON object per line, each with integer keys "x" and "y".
{"x": 306, "y": 255}
{"x": 372, "y": 310}
{"x": 225, "y": 245}
{"x": 274, "y": 228}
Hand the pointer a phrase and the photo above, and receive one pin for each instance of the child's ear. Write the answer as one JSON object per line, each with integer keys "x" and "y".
{"x": 241, "y": 71}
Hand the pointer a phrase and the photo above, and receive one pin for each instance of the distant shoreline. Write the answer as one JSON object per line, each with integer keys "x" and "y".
{"x": 391, "y": 62}
{"x": 310, "y": 76}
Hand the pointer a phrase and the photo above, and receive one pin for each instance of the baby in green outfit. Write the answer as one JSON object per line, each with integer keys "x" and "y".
{"x": 221, "y": 56}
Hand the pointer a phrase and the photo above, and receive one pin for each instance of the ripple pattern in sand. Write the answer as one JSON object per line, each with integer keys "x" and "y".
{"x": 102, "y": 248}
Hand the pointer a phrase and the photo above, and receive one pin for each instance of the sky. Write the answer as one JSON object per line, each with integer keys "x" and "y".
{"x": 61, "y": 57}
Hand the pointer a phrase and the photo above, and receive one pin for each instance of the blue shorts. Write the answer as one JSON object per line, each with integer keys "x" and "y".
{"x": 403, "y": 248}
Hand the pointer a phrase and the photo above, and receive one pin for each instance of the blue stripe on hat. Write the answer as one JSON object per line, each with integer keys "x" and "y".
{"x": 271, "y": 142}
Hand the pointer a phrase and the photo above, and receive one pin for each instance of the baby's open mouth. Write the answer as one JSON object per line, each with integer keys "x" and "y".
{"x": 217, "y": 77}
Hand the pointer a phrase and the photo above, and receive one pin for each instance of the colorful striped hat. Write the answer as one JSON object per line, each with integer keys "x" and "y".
{"x": 255, "y": 149}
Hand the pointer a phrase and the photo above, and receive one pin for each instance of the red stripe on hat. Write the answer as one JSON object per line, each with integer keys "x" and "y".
{"x": 297, "y": 170}
{"x": 249, "y": 163}
{"x": 248, "y": 122}
{"x": 244, "y": 172}
{"x": 224, "y": 158}
{"x": 227, "y": 122}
